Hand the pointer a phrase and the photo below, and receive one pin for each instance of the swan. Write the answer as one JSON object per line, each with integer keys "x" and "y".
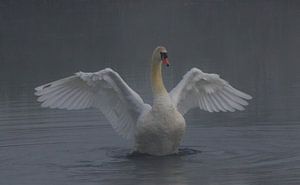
{"x": 156, "y": 129}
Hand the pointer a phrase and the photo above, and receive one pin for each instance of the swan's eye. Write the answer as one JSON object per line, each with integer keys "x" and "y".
{"x": 163, "y": 55}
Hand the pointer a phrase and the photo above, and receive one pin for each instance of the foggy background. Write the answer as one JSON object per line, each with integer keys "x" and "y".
{"x": 252, "y": 44}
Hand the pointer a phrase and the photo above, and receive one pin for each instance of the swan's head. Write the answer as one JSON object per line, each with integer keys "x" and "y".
{"x": 160, "y": 55}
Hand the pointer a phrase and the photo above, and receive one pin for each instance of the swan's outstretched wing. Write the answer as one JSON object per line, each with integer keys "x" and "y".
{"x": 104, "y": 89}
{"x": 208, "y": 92}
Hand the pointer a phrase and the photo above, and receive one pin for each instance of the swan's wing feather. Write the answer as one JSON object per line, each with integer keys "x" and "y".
{"x": 104, "y": 89}
{"x": 209, "y": 92}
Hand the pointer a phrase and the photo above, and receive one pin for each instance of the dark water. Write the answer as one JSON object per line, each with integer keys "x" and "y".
{"x": 252, "y": 44}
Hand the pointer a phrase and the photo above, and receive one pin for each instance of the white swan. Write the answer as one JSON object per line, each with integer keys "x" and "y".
{"x": 156, "y": 130}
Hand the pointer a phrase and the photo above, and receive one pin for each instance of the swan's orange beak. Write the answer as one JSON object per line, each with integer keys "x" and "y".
{"x": 164, "y": 58}
{"x": 166, "y": 62}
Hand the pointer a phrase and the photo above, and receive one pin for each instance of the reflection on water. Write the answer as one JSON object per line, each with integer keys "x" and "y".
{"x": 133, "y": 168}
{"x": 252, "y": 44}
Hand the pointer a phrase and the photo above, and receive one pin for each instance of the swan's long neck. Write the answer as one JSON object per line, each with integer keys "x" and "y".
{"x": 158, "y": 87}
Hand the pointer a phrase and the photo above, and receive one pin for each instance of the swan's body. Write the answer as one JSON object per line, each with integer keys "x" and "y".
{"x": 160, "y": 129}
{"x": 157, "y": 130}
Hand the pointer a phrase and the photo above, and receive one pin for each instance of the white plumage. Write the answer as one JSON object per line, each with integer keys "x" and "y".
{"x": 208, "y": 92}
{"x": 157, "y": 130}
{"x": 104, "y": 90}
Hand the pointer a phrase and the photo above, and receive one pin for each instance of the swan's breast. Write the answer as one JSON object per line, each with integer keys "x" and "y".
{"x": 159, "y": 119}
{"x": 159, "y": 131}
